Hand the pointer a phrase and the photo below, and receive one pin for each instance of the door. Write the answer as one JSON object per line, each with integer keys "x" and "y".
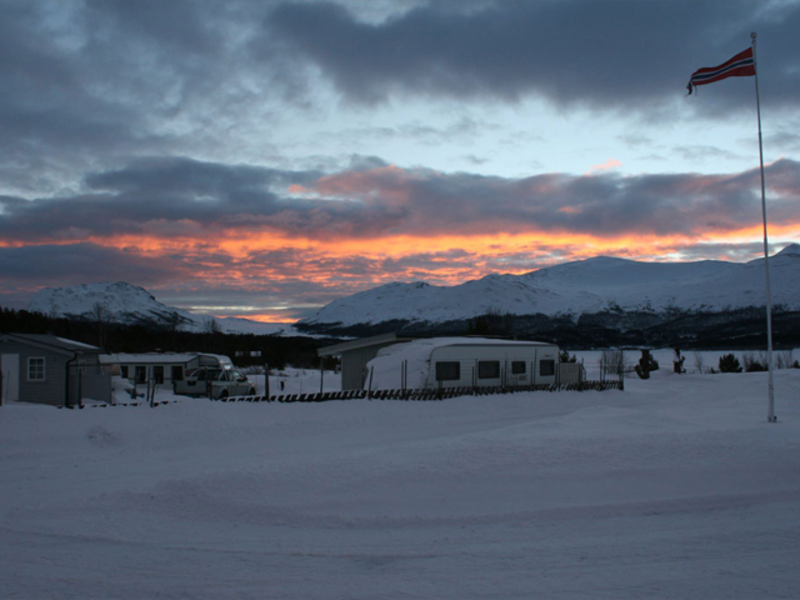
{"x": 9, "y": 363}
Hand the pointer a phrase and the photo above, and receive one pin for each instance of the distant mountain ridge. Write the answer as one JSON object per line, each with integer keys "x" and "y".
{"x": 129, "y": 304}
{"x": 621, "y": 293}
{"x": 594, "y": 302}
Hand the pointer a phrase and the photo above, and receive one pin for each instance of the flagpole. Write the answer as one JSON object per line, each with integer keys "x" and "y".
{"x": 771, "y": 418}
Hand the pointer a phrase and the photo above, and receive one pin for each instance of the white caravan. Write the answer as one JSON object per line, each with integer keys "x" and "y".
{"x": 463, "y": 362}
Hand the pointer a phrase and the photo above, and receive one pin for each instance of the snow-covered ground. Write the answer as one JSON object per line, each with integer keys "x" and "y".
{"x": 675, "y": 488}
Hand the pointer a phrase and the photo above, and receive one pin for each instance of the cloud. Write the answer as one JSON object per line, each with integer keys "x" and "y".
{"x": 181, "y": 198}
{"x": 611, "y": 163}
{"x": 625, "y": 55}
{"x": 31, "y": 267}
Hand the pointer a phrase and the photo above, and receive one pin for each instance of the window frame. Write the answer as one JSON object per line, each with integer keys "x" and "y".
{"x": 442, "y": 365}
{"x": 43, "y": 377}
{"x": 488, "y": 369}
{"x": 515, "y": 367}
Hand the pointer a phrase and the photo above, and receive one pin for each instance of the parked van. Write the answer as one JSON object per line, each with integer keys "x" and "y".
{"x": 214, "y": 383}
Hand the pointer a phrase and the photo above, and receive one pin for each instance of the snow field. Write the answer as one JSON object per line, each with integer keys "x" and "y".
{"x": 675, "y": 488}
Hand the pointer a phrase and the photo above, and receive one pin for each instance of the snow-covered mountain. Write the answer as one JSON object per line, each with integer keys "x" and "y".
{"x": 576, "y": 288}
{"x": 122, "y": 302}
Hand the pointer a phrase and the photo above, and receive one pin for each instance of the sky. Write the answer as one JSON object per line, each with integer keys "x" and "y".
{"x": 263, "y": 158}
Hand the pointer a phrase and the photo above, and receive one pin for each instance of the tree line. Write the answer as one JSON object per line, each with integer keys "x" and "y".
{"x": 244, "y": 349}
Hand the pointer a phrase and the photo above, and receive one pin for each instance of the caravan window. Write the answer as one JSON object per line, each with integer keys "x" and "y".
{"x": 547, "y": 368}
{"x": 489, "y": 369}
{"x": 448, "y": 371}
{"x": 518, "y": 367}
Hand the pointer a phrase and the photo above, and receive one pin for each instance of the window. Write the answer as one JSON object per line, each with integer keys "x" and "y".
{"x": 36, "y": 368}
{"x": 141, "y": 374}
{"x": 489, "y": 369}
{"x": 547, "y": 368}
{"x": 448, "y": 371}
{"x": 518, "y": 367}
{"x": 158, "y": 374}
{"x": 177, "y": 373}
{"x": 123, "y": 370}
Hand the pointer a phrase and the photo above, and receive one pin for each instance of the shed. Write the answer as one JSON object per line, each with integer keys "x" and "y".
{"x": 464, "y": 362}
{"x": 46, "y": 369}
{"x": 355, "y": 355}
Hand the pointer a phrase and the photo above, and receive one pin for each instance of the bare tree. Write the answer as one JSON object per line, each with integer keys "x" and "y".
{"x": 699, "y": 362}
{"x": 101, "y": 317}
{"x": 783, "y": 360}
{"x": 613, "y": 362}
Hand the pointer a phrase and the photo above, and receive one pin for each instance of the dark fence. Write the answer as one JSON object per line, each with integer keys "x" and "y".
{"x": 418, "y": 394}
{"x": 428, "y": 394}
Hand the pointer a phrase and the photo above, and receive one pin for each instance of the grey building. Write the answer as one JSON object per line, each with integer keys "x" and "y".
{"x": 46, "y": 369}
{"x": 355, "y": 355}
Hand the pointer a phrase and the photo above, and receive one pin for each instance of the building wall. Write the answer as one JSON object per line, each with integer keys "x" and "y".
{"x": 50, "y": 391}
{"x": 149, "y": 369}
{"x": 354, "y": 366}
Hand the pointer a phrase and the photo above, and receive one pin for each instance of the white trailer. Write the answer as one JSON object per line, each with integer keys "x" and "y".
{"x": 463, "y": 362}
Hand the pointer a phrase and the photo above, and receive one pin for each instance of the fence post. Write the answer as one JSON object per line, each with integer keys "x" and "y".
{"x": 321, "y": 375}
{"x": 266, "y": 380}
{"x": 369, "y": 386}
{"x": 80, "y": 387}
{"x": 474, "y": 382}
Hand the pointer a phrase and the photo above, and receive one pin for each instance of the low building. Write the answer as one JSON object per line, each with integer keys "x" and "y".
{"x": 355, "y": 354}
{"x": 46, "y": 369}
{"x": 163, "y": 368}
{"x": 463, "y": 362}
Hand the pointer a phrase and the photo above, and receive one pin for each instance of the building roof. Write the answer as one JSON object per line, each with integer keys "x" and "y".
{"x": 375, "y": 340}
{"x": 159, "y": 358}
{"x": 426, "y": 346}
{"x": 52, "y": 342}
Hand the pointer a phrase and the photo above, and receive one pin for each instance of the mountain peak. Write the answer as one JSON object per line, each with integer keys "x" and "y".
{"x": 790, "y": 250}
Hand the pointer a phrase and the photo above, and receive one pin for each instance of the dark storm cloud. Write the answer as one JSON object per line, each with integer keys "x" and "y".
{"x": 153, "y": 196}
{"x": 627, "y": 55}
{"x": 72, "y": 264}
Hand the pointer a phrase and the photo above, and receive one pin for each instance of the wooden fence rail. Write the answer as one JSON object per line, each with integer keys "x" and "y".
{"x": 416, "y": 394}
{"x": 428, "y": 394}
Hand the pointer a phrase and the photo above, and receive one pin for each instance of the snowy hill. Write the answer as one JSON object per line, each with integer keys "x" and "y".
{"x": 122, "y": 302}
{"x": 574, "y": 289}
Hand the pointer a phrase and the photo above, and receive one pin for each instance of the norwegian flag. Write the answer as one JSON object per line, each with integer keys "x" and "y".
{"x": 741, "y": 65}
